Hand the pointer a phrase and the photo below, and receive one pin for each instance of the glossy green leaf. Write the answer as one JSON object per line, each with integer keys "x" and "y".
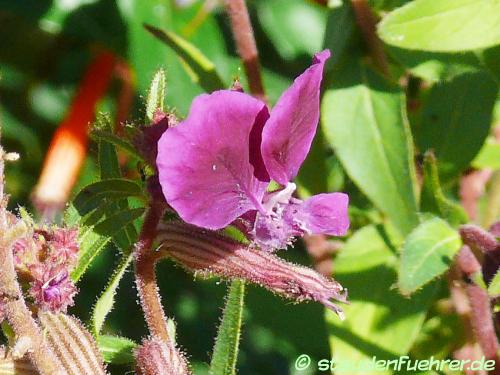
{"x": 364, "y": 120}
{"x": 427, "y": 253}
{"x": 489, "y": 155}
{"x": 433, "y": 199}
{"x": 379, "y": 320}
{"x": 105, "y": 303}
{"x": 116, "y": 350}
{"x": 94, "y": 239}
{"x": 202, "y": 69}
{"x": 441, "y": 25}
{"x": 494, "y": 287}
{"x": 225, "y": 354}
{"x": 156, "y": 95}
{"x": 456, "y": 119}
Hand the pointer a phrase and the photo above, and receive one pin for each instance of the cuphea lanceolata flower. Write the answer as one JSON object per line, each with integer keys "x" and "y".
{"x": 215, "y": 166}
{"x": 44, "y": 259}
{"x": 215, "y": 169}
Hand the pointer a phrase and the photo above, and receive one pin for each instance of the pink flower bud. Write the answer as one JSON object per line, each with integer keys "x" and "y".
{"x": 157, "y": 357}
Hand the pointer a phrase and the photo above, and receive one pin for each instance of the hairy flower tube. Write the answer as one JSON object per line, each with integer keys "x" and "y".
{"x": 215, "y": 167}
{"x": 210, "y": 253}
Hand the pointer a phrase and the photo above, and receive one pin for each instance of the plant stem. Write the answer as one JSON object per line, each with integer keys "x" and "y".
{"x": 245, "y": 42}
{"x": 18, "y": 314}
{"x": 481, "y": 313}
{"x": 368, "y": 25}
{"x": 145, "y": 261}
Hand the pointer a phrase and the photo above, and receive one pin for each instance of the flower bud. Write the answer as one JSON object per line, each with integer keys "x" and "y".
{"x": 157, "y": 357}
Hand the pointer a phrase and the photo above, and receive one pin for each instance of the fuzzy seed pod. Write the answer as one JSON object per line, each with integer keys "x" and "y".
{"x": 72, "y": 344}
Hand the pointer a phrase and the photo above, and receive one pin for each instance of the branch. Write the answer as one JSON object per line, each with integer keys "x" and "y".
{"x": 245, "y": 42}
{"x": 145, "y": 261}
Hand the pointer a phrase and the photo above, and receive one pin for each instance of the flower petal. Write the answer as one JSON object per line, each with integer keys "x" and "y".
{"x": 288, "y": 134}
{"x": 204, "y": 163}
{"x": 324, "y": 213}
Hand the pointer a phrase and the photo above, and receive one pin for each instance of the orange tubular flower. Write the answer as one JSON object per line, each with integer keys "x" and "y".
{"x": 69, "y": 144}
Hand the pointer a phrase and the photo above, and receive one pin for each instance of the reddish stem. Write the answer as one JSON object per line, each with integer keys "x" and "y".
{"x": 145, "y": 261}
{"x": 481, "y": 313}
{"x": 245, "y": 42}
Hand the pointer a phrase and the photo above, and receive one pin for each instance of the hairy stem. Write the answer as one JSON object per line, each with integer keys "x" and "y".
{"x": 367, "y": 23}
{"x": 245, "y": 42}
{"x": 15, "y": 309}
{"x": 481, "y": 313}
{"x": 145, "y": 261}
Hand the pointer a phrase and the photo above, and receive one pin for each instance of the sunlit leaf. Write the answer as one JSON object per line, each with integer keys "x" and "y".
{"x": 379, "y": 320}
{"x": 441, "y": 25}
{"x": 427, "y": 253}
{"x": 105, "y": 303}
{"x": 364, "y": 120}
{"x": 116, "y": 350}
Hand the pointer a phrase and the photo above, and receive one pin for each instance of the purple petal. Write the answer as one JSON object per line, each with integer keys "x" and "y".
{"x": 288, "y": 134}
{"x": 204, "y": 163}
{"x": 325, "y": 213}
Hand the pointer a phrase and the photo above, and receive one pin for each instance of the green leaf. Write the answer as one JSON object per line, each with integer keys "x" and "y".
{"x": 279, "y": 19}
{"x": 433, "y": 200}
{"x": 489, "y": 155}
{"x": 91, "y": 196}
{"x": 442, "y": 25}
{"x": 94, "y": 239}
{"x": 110, "y": 169}
{"x": 202, "y": 69}
{"x": 494, "y": 287}
{"x": 456, "y": 120}
{"x": 106, "y": 301}
{"x": 340, "y": 28}
{"x": 226, "y": 348}
{"x": 379, "y": 320}
{"x": 116, "y": 350}
{"x": 156, "y": 95}
{"x": 427, "y": 253}
{"x": 436, "y": 66}
{"x": 364, "y": 120}
{"x": 109, "y": 137}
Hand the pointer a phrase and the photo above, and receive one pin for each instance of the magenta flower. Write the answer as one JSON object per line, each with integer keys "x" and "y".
{"x": 215, "y": 166}
{"x": 52, "y": 287}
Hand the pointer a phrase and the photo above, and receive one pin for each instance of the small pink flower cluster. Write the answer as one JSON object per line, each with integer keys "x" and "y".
{"x": 44, "y": 259}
